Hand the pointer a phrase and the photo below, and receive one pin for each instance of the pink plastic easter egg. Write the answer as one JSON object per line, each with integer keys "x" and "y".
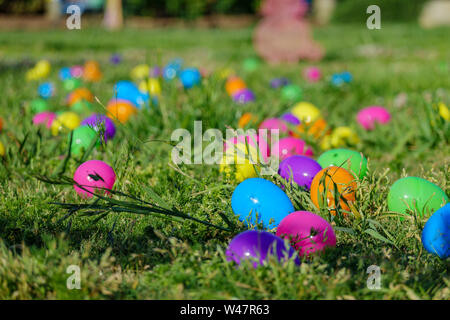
{"x": 252, "y": 141}
{"x": 92, "y": 175}
{"x": 44, "y": 118}
{"x": 307, "y": 232}
{"x": 368, "y": 116}
{"x": 274, "y": 124}
{"x": 291, "y": 146}
{"x": 312, "y": 74}
{"x": 76, "y": 71}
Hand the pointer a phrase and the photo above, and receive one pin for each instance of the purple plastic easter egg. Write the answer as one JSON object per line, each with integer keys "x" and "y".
{"x": 92, "y": 175}
{"x": 44, "y": 118}
{"x": 155, "y": 72}
{"x": 302, "y": 169}
{"x": 258, "y": 246}
{"x": 368, "y": 116}
{"x": 115, "y": 58}
{"x": 290, "y": 146}
{"x": 279, "y": 82}
{"x": 97, "y": 120}
{"x": 312, "y": 74}
{"x": 307, "y": 232}
{"x": 274, "y": 124}
{"x": 290, "y": 118}
{"x": 243, "y": 96}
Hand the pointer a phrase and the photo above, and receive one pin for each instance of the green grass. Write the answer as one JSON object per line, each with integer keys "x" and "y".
{"x": 129, "y": 256}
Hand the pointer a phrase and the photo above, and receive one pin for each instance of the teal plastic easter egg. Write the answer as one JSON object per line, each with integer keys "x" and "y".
{"x": 82, "y": 139}
{"x": 351, "y": 160}
{"x": 257, "y": 200}
{"x": 436, "y": 233}
{"x": 416, "y": 193}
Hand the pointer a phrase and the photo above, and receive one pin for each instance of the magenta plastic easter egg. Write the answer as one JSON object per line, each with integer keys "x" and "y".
{"x": 367, "y": 117}
{"x": 93, "y": 175}
{"x": 312, "y": 74}
{"x": 274, "y": 124}
{"x": 307, "y": 232}
{"x": 290, "y": 146}
{"x": 45, "y": 118}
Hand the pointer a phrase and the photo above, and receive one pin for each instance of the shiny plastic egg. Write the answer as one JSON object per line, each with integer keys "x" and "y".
{"x": 190, "y": 77}
{"x": 436, "y": 233}
{"x": 351, "y": 160}
{"x": 257, "y": 200}
{"x": 323, "y": 192}
{"x": 257, "y": 247}
{"x": 291, "y": 93}
{"x": 101, "y": 122}
{"x": 290, "y": 146}
{"x": 413, "y": 193}
{"x": 300, "y": 169}
{"x": 82, "y": 138}
{"x": 234, "y": 84}
{"x": 367, "y": 117}
{"x": 93, "y": 175}
{"x": 307, "y": 232}
{"x": 306, "y": 112}
{"x": 120, "y": 110}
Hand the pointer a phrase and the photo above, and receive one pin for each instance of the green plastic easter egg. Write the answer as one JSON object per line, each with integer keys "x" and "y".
{"x": 82, "y": 139}
{"x": 351, "y": 160}
{"x": 38, "y": 105}
{"x": 82, "y": 106}
{"x": 251, "y": 64}
{"x": 413, "y": 192}
{"x": 71, "y": 84}
{"x": 291, "y": 93}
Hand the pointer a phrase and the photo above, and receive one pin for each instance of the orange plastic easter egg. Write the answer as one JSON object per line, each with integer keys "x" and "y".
{"x": 120, "y": 110}
{"x": 316, "y": 129}
{"x": 245, "y": 119}
{"x": 326, "y": 179}
{"x": 92, "y": 71}
{"x": 234, "y": 84}
{"x": 78, "y": 95}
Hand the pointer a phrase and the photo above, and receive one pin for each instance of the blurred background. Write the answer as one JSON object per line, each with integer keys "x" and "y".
{"x": 208, "y": 13}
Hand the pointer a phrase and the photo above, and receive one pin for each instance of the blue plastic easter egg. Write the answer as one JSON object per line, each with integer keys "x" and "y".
{"x": 190, "y": 77}
{"x": 127, "y": 90}
{"x": 172, "y": 69}
{"x": 346, "y": 76}
{"x": 46, "y": 90}
{"x": 336, "y": 79}
{"x": 436, "y": 233}
{"x": 64, "y": 73}
{"x": 257, "y": 200}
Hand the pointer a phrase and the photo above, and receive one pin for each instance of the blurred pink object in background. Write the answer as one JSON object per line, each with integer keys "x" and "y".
{"x": 284, "y": 35}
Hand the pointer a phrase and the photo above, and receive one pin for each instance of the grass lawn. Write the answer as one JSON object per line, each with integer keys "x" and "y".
{"x": 143, "y": 256}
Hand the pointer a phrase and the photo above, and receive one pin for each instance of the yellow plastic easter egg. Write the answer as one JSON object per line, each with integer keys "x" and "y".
{"x": 31, "y": 75}
{"x": 444, "y": 112}
{"x": 43, "y": 68}
{"x": 239, "y": 157}
{"x": 70, "y": 120}
{"x": 2, "y": 150}
{"x": 306, "y": 112}
{"x": 342, "y": 136}
{"x": 151, "y": 86}
{"x": 225, "y": 73}
{"x": 141, "y": 71}
{"x": 67, "y": 120}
